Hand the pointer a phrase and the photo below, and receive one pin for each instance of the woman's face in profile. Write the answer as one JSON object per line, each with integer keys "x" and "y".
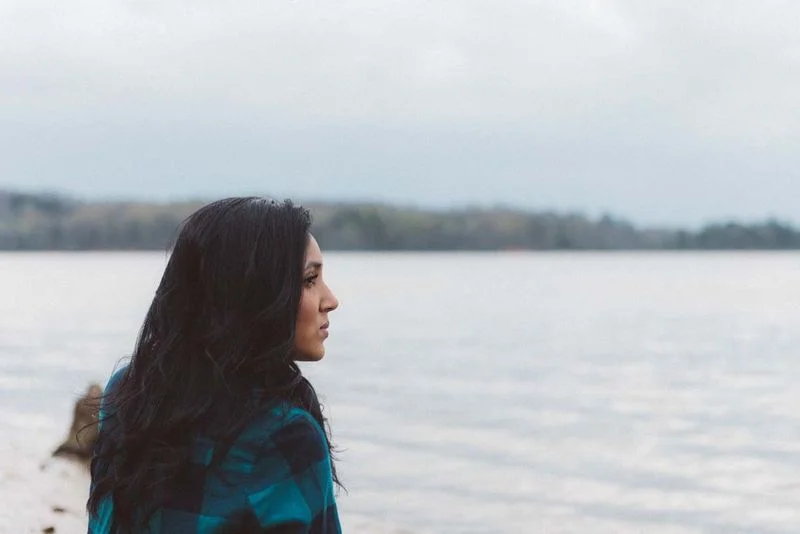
{"x": 316, "y": 303}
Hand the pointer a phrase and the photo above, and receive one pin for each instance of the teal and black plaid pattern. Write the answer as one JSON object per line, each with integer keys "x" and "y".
{"x": 275, "y": 479}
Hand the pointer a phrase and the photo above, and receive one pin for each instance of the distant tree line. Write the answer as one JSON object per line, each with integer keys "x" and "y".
{"x": 51, "y": 222}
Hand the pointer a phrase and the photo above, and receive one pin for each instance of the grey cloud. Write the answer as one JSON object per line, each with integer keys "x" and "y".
{"x": 549, "y": 103}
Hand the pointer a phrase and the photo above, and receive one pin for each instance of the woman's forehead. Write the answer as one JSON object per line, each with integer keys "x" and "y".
{"x": 313, "y": 252}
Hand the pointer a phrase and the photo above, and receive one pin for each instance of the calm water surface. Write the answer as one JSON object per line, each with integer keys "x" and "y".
{"x": 492, "y": 393}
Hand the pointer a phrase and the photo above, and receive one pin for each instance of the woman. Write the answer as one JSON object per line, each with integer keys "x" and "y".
{"x": 212, "y": 427}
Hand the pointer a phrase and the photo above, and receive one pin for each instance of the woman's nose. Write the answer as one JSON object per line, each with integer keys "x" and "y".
{"x": 330, "y": 302}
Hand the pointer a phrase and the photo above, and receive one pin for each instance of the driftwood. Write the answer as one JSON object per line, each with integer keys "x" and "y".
{"x": 82, "y": 434}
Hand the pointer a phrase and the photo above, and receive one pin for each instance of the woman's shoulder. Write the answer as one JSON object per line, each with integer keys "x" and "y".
{"x": 116, "y": 376}
{"x": 112, "y": 383}
{"x": 282, "y": 441}
{"x": 283, "y": 421}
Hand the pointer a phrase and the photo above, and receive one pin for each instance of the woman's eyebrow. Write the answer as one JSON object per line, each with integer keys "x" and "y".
{"x": 314, "y": 264}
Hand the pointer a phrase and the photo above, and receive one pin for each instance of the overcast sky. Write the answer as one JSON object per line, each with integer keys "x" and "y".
{"x": 663, "y": 112}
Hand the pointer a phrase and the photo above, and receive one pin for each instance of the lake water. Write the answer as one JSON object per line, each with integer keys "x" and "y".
{"x": 490, "y": 393}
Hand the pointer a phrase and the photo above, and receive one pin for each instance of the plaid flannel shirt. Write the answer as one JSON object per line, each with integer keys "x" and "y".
{"x": 276, "y": 479}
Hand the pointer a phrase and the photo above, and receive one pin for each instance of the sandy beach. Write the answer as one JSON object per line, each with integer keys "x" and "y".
{"x": 41, "y": 494}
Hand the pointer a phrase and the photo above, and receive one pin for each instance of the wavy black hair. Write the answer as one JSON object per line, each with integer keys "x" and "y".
{"x": 220, "y": 327}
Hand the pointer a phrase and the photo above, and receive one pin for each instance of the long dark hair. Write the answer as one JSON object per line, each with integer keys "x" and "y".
{"x": 221, "y": 327}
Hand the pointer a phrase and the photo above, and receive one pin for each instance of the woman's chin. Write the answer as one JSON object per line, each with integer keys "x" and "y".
{"x": 311, "y": 355}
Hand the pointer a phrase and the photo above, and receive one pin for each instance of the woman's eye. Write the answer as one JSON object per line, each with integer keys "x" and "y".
{"x": 311, "y": 280}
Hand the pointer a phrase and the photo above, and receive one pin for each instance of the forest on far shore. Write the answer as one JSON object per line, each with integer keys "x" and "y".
{"x": 53, "y": 222}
